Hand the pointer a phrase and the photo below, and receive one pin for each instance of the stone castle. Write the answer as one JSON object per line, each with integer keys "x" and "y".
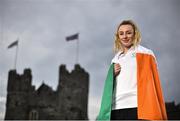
{"x": 69, "y": 101}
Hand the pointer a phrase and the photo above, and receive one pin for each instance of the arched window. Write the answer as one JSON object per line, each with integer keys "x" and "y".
{"x": 33, "y": 115}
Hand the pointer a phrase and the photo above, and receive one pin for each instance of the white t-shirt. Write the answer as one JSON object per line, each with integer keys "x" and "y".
{"x": 125, "y": 90}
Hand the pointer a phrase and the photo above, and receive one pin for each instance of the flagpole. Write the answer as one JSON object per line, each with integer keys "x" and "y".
{"x": 16, "y": 56}
{"x": 73, "y": 37}
{"x": 77, "y": 51}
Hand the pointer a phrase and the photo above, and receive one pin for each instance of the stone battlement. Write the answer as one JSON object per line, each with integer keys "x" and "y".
{"x": 69, "y": 101}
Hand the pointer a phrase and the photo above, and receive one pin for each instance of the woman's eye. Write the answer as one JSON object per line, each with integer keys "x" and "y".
{"x": 121, "y": 33}
{"x": 129, "y": 33}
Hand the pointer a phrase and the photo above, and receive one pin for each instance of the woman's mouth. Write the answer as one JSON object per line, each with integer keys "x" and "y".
{"x": 125, "y": 40}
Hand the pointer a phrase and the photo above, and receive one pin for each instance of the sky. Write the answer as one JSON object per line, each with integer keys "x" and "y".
{"x": 42, "y": 25}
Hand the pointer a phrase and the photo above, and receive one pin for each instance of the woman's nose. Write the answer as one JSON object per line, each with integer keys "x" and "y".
{"x": 125, "y": 36}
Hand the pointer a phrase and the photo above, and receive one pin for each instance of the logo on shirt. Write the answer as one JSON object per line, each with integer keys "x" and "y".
{"x": 133, "y": 55}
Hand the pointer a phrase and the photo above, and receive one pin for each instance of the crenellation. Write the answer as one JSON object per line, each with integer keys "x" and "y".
{"x": 69, "y": 101}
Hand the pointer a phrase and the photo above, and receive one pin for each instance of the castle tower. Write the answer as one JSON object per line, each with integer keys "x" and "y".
{"x": 17, "y": 94}
{"x": 69, "y": 101}
{"x": 73, "y": 91}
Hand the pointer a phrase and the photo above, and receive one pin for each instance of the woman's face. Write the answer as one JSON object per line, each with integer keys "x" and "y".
{"x": 126, "y": 35}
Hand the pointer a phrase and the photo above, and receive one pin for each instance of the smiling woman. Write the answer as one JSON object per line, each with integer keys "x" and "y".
{"x": 127, "y": 30}
{"x": 132, "y": 88}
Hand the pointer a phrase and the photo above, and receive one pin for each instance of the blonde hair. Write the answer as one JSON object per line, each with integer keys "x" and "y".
{"x": 137, "y": 35}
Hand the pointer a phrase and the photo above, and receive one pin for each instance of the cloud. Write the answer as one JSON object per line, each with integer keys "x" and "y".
{"x": 2, "y": 107}
{"x": 94, "y": 106}
{"x": 43, "y": 25}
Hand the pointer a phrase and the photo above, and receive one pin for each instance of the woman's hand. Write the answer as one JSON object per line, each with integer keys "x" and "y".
{"x": 117, "y": 69}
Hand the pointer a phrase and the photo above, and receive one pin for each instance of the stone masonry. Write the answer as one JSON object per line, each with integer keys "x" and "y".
{"x": 69, "y": 101}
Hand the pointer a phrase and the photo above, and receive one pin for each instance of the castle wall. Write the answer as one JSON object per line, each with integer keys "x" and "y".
{"x": 69, "y": 101}
{"x": 18, "y": 89}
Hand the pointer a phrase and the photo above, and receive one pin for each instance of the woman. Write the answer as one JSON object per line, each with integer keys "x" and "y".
{"x": 132, "y": 87}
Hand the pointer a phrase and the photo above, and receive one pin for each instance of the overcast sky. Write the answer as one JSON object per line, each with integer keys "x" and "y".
{"x": 42, "y": 25}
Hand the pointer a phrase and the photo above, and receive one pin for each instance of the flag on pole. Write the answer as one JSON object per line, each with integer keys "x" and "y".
{"x": 15, "y": 43}
{"x": 72, "y": 37}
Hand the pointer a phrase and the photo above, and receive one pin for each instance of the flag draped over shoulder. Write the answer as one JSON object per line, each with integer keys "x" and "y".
{"x": 15, "y": 43}
{"x": 72, "y": 37}
{"x": 151, "y": 104}
{"x": 105, "y": 109}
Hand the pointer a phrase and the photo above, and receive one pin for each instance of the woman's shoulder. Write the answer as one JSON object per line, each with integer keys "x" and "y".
{"x": 144, "y": 50}
{"x": 115, "y": 58}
